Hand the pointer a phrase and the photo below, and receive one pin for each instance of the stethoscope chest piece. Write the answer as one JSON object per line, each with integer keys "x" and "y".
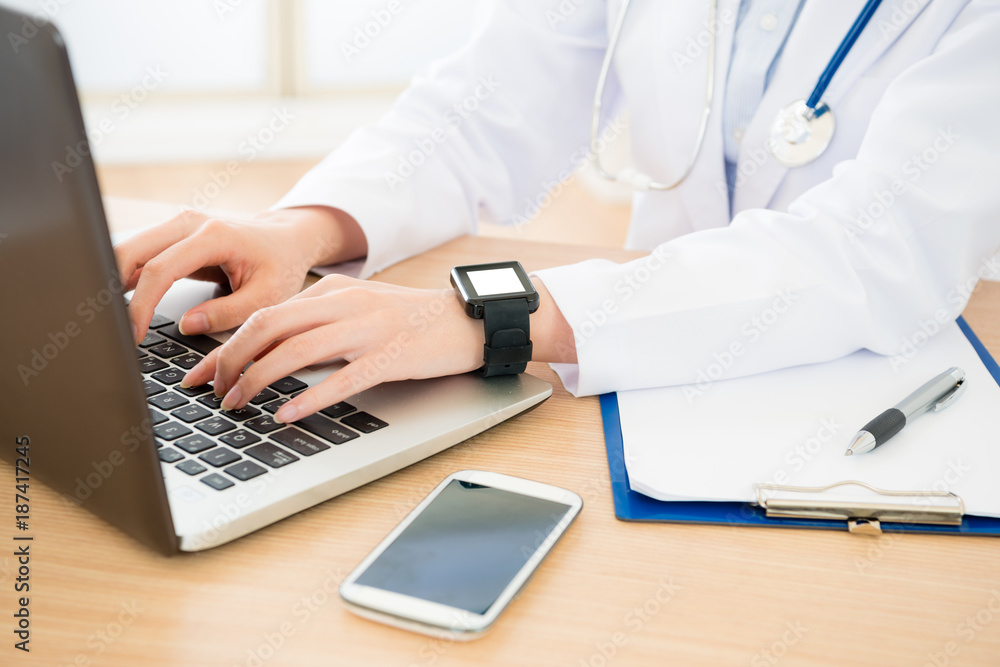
{"x": 799, "y": 134}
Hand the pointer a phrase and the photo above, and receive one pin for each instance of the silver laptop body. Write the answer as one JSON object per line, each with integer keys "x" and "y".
{"x": 72, "y": 380}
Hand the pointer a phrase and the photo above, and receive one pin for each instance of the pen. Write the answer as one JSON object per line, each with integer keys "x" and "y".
{"x": 936, "y": 394}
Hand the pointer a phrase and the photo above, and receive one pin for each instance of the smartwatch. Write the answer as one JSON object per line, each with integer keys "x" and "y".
{"x": 500, "y": 294}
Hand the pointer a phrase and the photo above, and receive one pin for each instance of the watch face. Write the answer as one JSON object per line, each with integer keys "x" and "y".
{"x": 489, "y": 282}
{"x": 497, "y": 281}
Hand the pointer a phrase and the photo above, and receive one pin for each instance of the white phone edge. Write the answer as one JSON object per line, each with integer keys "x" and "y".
{"x": 438, "y": 620}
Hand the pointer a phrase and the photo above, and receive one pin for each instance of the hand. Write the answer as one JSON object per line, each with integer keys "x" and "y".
{"x": 264, "y": 260}
{"x": 384, "y": 332}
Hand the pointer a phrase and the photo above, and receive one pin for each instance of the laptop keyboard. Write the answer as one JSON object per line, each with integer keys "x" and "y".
{"x": 223, "y": 448}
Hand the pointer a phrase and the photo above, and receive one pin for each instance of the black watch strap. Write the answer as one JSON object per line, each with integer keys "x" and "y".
{"x": 508, "y": 337}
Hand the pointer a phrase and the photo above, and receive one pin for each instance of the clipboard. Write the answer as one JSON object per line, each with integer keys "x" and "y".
{"x": 874, "y": 519}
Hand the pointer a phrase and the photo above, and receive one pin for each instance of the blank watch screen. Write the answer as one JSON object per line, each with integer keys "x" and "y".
{"x": 489, "y": 282}
{"x": 465, "y": 547}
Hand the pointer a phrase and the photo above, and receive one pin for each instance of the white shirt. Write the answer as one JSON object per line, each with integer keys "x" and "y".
{"x": 859, "y": 249}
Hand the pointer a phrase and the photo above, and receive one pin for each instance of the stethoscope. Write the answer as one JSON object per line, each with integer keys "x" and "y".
{"x": 801, "y": 131}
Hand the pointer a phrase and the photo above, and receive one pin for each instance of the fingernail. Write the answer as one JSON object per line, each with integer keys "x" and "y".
{"x": 287, "y": 413}
{"x": 219, "y": 386}
{"x": 232, "y": 398}
{"x": 187, "y": 380}
{"x": 192, "y": 325}
{"x": 135, "y": 334}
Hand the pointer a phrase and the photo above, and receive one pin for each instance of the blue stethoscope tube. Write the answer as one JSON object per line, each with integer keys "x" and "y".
{"x": 839, "y": 55}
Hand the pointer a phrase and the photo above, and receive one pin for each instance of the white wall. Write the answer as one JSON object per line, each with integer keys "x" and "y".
{"x": 191, "y": 80}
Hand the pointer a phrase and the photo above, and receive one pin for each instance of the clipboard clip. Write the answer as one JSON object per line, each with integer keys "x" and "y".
{"x": 863, "y": 518}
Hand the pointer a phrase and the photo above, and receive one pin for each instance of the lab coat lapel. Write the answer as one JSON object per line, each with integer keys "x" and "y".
{"x": 816, "y": 35}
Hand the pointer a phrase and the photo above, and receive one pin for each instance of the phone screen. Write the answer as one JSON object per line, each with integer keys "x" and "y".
{"x": 465, "y": 546}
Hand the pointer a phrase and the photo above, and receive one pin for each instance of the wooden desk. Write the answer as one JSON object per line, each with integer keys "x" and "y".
{"x": 611, "y": 592}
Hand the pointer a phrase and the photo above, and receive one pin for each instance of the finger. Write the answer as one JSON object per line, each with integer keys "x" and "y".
{"x": 292, "y": 354}
{"x": 267, "y": 326}
{"x": 202, "y": 372}
{"x": 233, "y": 310}
{"x": 130, "y": 284}
{"x": 343, "y": 384}
{"x": 136, "y": 250}
{"x": 158, "y": 274}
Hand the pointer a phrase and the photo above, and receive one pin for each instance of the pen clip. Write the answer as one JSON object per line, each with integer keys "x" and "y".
{"x": 950, "y": 397}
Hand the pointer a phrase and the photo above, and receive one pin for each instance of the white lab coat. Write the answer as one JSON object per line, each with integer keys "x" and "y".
{"x": 867, "y": 247}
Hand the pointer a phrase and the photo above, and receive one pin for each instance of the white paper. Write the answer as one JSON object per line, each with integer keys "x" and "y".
{"x": 792, "y": 426}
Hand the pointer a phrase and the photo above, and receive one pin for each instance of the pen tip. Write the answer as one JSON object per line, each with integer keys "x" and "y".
{"x": 863, "y": 442}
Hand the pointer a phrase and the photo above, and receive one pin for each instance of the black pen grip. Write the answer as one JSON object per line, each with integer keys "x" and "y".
{"x": 886, "y": 425}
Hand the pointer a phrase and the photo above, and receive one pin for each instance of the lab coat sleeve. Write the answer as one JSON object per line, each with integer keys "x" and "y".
{"x": 879, "y": 256}
{"x": 481, "y": 134}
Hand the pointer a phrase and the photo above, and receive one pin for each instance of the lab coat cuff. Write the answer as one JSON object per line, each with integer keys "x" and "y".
{"x": 578, "y": 292}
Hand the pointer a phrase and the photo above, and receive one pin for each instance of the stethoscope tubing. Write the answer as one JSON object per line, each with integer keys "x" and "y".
{"x": 631, "y": 176}
{"x": 814, "y": 107}
{"x": 840, "y": 54}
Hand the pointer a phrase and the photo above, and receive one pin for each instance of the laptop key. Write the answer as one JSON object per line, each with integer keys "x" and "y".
{"x": 270, "y": 454}
{"x": 239, "y": 438}
{"x": 212, "y": 401}
{"x": 194, "y": 391}
{"x": 217, "y": 481}
{"x": 191, "y": 413}
{"x": 338, "y": 410}
{"x": 273, "y": 406}
{"x": 168, "y": 401}
{"x": 151, "y": 364}
{"x": 327, "y": 429}
{"x": 245, "y": 470}
{"x": 157, "y": 417}
{"x": 187, "y": 361}
{"x": 194, "y": 444}
{"x": 264, "y": 396}
{"x": 215, "y": 425}
{"x": 263, "y": 424}
{"x": 288, "y": 385}
{"x": 160, "y": 321}
{"x": 220, "y": 456}
{"x": 242, "y": 414}
{"x": 140, "y": 353}
{"x": 167, "y": 349}
{"x": 169, "y": 375}
{"x": 170, "y": 455}
{"x": 191, "y": 467}
{"x": 152, "y": 338}
{"x": 171, "y": 430}
{"x": 364, "y": 422}
{"x": 153, "y": 388}
{"x": 202, "y": 344}
{"x": 296, "y": 440}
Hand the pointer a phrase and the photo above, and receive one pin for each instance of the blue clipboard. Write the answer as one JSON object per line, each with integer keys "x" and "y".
{"x": 633, "y": 506}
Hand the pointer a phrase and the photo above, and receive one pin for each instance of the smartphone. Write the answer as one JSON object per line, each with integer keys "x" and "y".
{"x": 462, "y": 555}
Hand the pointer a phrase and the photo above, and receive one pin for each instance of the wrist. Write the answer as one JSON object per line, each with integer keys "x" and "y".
{"x": 550, "y": 332}
{"x": 322, "y": 234}
{"x": 467, "y": 332}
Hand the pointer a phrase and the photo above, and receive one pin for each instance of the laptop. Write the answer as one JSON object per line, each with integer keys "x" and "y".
{"x": 104, "y": 422}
